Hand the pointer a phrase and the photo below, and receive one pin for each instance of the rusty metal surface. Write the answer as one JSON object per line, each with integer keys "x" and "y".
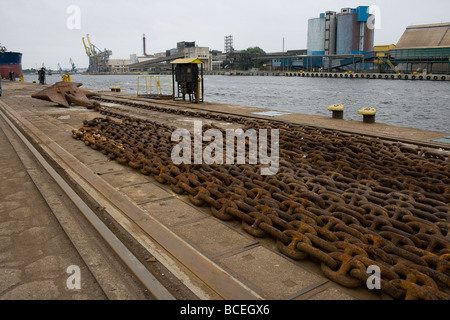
{"x": 65, "y": 93}
{"x": 344, "y": 201}
{"x": 205, "y": 112}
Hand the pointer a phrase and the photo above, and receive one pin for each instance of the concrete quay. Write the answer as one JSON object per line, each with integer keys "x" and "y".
{"x": 35, "y": 252}
{"x": 369, "y": 75}
{"x": 264, "y": 272}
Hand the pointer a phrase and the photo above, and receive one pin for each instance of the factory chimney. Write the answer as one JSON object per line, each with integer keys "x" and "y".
{"x": 143, "y": 39}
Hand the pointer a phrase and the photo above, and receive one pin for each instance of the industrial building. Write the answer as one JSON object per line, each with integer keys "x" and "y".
{"x": 184, "y": 50}
{"x": 348, "y": 32}
{"x": 425, "y": 36}
{"x": 336, "y": 40}
{"x": 345, "y": 41}
{"x": 423, "y": 48}
{"x": 201, "y": 53}
{"x": 118, "y": 65}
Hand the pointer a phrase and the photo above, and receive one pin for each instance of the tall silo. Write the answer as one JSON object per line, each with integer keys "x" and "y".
{"x": 369, "y": 39}
{"x": 330, "y": 33}
{"x": 347, "y": 34}
{"x": 316, "y": 36}
{"x": 366, "y": 30}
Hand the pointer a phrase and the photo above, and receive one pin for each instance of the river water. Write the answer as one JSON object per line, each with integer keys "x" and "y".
{"x": 417, "y": 104}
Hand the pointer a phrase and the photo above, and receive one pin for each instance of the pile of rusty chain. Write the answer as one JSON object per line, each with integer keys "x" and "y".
{"x": 344, "y": 201}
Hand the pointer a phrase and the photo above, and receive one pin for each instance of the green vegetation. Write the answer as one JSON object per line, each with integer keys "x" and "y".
{"x": 254, "y": 50}
{"x": 244, "y": 60}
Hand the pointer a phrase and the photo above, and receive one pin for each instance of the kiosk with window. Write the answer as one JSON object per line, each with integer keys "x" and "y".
{"x": 188, "y": 79}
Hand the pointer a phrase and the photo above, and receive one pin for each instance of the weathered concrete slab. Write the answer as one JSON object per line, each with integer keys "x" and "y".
{"x": 45, "y": 126}
{"x": 172, "y": 211}
{"x": 108, "y": 166}
{"x": 331, "y": 293}
{"x": 145, "y": 192}
{"x": 122, "y": 178}
{"x": 212, "y": 237}
{"x": 86, "y": 155}
{"x": 67, "y": 142}
{"x": 271, "y": 275}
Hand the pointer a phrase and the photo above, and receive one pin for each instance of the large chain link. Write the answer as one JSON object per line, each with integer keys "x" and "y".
{"x": 345, "y": 201}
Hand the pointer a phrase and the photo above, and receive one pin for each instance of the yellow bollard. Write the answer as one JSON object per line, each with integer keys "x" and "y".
{"x": 21, "y": 78}
{"x": 338, "y": 111}
{"x": 368, "y": 114}
{"x": 66, "y": 77}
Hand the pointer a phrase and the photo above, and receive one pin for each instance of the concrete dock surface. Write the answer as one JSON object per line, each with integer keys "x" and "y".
{"x": 33, "y": 260}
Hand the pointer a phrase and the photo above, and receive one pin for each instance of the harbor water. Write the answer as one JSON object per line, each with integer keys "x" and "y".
{"x": 417, "y": 104}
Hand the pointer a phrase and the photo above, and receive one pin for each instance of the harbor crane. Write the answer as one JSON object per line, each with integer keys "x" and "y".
{"x": 98, "y": 59}
{"x": 74, "y": 68}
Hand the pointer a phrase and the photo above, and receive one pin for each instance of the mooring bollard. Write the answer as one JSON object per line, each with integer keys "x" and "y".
{"x": 368, "y": 114}
{"x": 66, "y": 77}
{"x": 115, "y": 88}
{"x": 338, "y": 111}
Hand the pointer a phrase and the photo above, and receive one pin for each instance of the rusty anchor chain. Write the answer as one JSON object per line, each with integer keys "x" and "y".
{"x": 344, "y": 201}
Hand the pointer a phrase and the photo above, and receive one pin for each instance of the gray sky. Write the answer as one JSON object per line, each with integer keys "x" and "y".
{"x": 38, "y": 28}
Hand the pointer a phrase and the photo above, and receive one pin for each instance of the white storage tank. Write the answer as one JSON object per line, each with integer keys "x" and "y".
{"x": 347, "y": 37}
{"x": 316, "y": 36}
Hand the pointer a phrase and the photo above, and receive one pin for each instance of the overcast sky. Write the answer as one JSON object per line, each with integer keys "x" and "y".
{"x": 39, "y": 28}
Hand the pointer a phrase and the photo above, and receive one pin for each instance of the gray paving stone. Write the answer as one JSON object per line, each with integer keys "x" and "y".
{"x": 36, "y": 235}
{"x": 9, "y": 277}
{"x": 36, "y": 290}
{"x": 45, "y": 268}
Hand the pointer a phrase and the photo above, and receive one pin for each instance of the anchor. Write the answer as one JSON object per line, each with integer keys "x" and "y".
{"x": 65, "y": 93}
